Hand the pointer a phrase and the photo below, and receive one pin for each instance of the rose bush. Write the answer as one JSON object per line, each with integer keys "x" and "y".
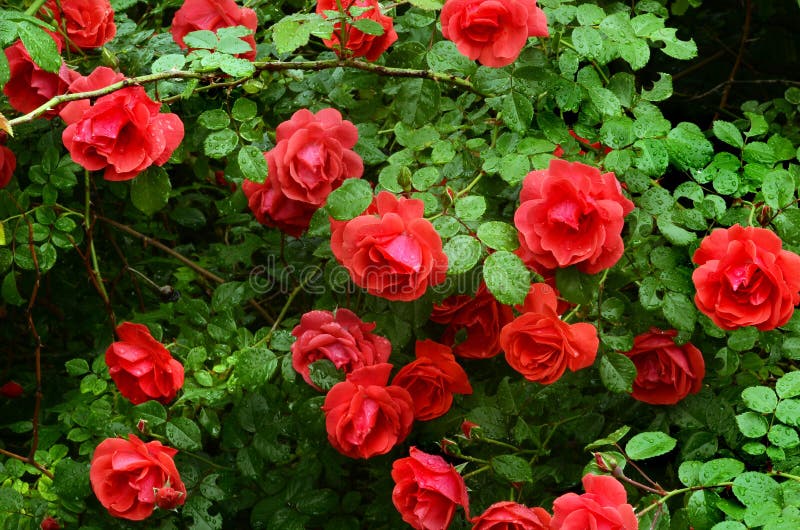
{"x": 350, "y": 37}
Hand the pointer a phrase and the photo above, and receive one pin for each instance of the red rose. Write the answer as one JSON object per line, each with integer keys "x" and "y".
{"x": 123, "y": 133}
{"x": 745, "y": 278}
{"x": 358, "y": 43}
{"x": 212, "y": 15}
{"x": 364, "y": 417}
{"x": 570, "y": 214}
{"x": 101, "y": 77}
{"x": 493, "y": 32}
{"x": 49, "y": 523}
{"x": 432, "y": 379}
{"x": 168, "y": 498}
{"x": 541, "y": 346}
{"x": 665, "y": 372}
{"x": 11, "y": 389}
{"x": 272, "y": 208}
{"x": 427, "y": 490}
{"x": 125, "y": 475}
{"x": 8, "y": 163}
{"x": 481, "y": 317}
{"x": 142, "y": 367}
{"x": 342, "y": 338}
{"x": 604, "y": 506}
{"x": 506, "y": 515}
{"x": 87, "y": 23}
{"x": 29, "y": 87}
{"x": 391, "y": 250}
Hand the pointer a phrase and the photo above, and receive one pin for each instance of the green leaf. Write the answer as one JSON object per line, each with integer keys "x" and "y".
{"x": 235, "y": 66}
{"x": 324, "y": 374}
{"x": 680, "y": 311}
{"x": 184, "y": 434}
{"x": 151, "y": 411}
{"x": 653, "y": 157}
{"x": 197, "y": 508}
{"x": 656, "y": 200}
{"x": 9, "y": 289}
{"x": 517, "y": 112}
{"x": 673, "y": 46}
{"x": 470, "y": 208}
{"x": 610, "y": 439}
{"x": 220, "y": 143}
{"x": 41, "y": 46}
{"x": 350, "y": 199}
{"x": 498, "y": 235}
{"x": 688, "y": 147}
{"x": 417, "y": 101}
{"x": 728, "y": 133}
{"x": 788, "y": 411}
{"x": 778, "y": 188}
{"x": 426, "y": 177}
{"x": 201, "y": 39}
{"x": 463, "y": 252}
{"x": 228, "y": 295}
{"x": 77, "y": 367}
{"x": 428, "y": 5}
{"x": 244, "y": 109}
{"x": 150, "y": 190}
{"x": 649, "y": 444}
{"x": 214, "y": 119}
{"x": 788, "y": 385}
{"x": 588, "y": 41}
{"x": 506, "y": 277}
{"x": 71, "y": 479}
{"x": 252, "y": 164}
{"x": 512, "y": 468}
{"x": 662, "y": 89}
{"x": 617, "y": 372}
{"x": 783, "y": 436}
{"x": 513, "y": 168}
{"x": 752, "y": 425}
{"x": 753, "y": 488}
{"x": 368, "y": 26}
{"x": 720, "y": 470}
{"x": 577, "y": 287}
{"x": 445, "y": 57}
{"x": 171, "y": 61}
{"x": 255, "y": 367}
{"x": 760, "y": 399}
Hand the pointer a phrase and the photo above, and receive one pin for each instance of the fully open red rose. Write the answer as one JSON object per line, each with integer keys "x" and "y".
{"x": 212, "y": 15}
{"x": 432, "y": 379}
{"x": 356, "y": 42}
{"x": 745, "y": 278}
{"x": 604, "y": 506}
{"x": 29, "y": 86}
{"x": 8, "y": 163}
{"x": 123, "y": 133}
{"x": 571, "y": 214}
{"x": 492, "y": 31}
{"x": 142, "y": 367}
{"x": 665, "y": 372}
{"x": 126, "y": 474}
{"x": 391, "y": 250}
{"x": 541, "y": 346}
{"x": 87, "y": 23}
{"x": 364, "y": 417}
{"x": 427, "y": 490}
{"x": 481, "y": 317}
{"x": 341, "y": 337}
{"x": 506, "y": 515}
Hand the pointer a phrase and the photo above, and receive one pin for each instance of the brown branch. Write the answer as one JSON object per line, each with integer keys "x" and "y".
{"x": 742, "y": 43}
{"x": 27, "y": 460}
{"x": 745, "y": 82}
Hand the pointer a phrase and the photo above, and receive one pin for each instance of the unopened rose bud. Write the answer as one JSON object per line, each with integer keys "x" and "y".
{"x": 49, "y": 523}
{"x": 168, "y": 498}
{"x": 12, "y": 389}
{"x": 450, "y": 447}
{"x": 605, "y": 462}
{"x": 141, "y": 426}
{"x": 467, "y": 428}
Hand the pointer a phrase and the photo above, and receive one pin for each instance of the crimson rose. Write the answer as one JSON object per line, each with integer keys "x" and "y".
{"x": 665, "y": 372}
{"x": 745, "y": 278}
{"x": 142, "y": 367}
{"x": 427, "y": 490}
{"x": 212, "y": 15}
{"x": 541, "y": 346}
{"x": 571, "y": 214}
{"x": 123, "y": 133}
{"x": 390, "y": 250}
{"x": 358, "y": 43}
{"x": 342, "y": 338}
{"x": 126, "y": 476}
{"x": 432, "y": 379}
{"x": 8, "y": 163}
{"x": 272, "y": 208}
{"x": 364, "y": 417}
{"x": 495, "y": 31}
{"x": 87, "y": 23}
{"x": 480, "y": 316}
{"x": 506, "y": 515}
{"x": 603, "y": 506}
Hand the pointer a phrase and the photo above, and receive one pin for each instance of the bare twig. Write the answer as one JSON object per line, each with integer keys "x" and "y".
{"x": 742, "y": 43}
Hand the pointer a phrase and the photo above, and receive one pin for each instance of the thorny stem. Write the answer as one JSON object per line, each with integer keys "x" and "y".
{"x": 27, "y": 460}
{"x": 476, "y": 472}
{"x": 285, "y": 308}
{"x": 95, "y": 268}
{"x": 668, "y": 495}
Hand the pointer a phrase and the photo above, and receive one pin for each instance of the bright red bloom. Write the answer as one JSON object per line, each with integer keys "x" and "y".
{"x": 541, "y": 346}
{"x": 49, "y": 523}
{"x": 342, "y": 338}
{"x": 427, "y": 490}
{"x": 665, "y": 372}
{"x": 101, "y": 77}
{"x": 745, "y": 278}
{"x": 123, "y": 133}
{"x": 168, "y": 498}
{"x": 604, "y": 506}
{"x": 364, "y": 417}
{"x": 432, "y": 379}
{"x": 142, "y": 367}
{"x": 125, "y": 475}
{"x": 495, "y": 31}
{"x": 480, "y": 316}
{"x": 11, "y": 389}
{"x": 212, "y": 15}
{"x": 8, "y": 163}
{"x": 390, "y": 250}
{"x": 570, "y": 214}
{"x": 29, "y": 87}
{"x": 87, "y": 23}
{"x": 506, "y": 515}
{"x": 272, "y": 208}
{"x": 358, "y": 43}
